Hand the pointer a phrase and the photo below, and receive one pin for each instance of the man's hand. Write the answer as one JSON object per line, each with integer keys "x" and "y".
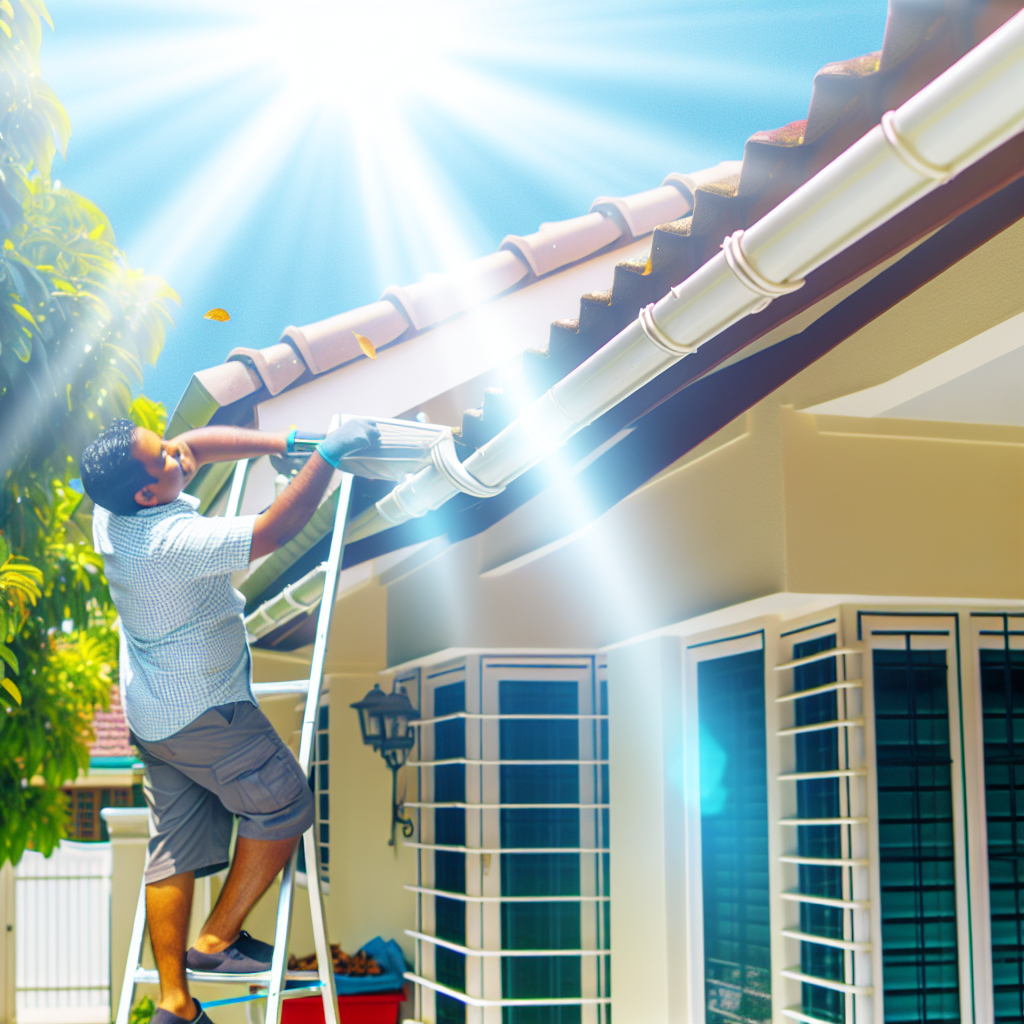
{"x": 353, "y": 436}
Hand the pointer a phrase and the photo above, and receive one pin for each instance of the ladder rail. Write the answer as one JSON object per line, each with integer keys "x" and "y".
{"x": 124, "y": 1006}
{"x": 318, "y": 912}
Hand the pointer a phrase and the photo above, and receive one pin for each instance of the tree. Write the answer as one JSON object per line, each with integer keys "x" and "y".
{"x": 76, "y": 325}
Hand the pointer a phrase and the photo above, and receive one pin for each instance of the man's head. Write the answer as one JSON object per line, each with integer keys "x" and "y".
{"x": 127, "y": 468}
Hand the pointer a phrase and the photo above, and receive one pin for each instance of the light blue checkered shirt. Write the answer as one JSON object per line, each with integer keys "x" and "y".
{"x": 169, "y": 571}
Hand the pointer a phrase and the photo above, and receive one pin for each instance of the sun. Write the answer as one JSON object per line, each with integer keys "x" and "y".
{"x": 356, "y": 56}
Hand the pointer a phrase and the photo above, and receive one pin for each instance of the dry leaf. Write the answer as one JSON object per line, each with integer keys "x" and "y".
{"x": 217, "y": 314}
{"x": 366, "y": 345}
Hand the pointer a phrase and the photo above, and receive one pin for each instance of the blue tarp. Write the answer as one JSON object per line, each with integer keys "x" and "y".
{"x": 389, "y": 955}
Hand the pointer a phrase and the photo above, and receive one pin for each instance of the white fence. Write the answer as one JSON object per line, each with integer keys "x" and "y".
{"x": 62, "y": 950}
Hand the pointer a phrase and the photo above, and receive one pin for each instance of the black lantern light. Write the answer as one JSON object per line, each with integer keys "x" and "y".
{"x": 384, "y": 719}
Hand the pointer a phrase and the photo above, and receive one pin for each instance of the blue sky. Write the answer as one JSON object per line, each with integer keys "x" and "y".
{"x": 288, "y": 161}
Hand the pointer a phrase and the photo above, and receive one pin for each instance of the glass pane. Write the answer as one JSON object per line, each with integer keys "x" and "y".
{"x": 734, "y": 838}
{"x": 1002, "y": 696}
{"x": 915, "y": 837}
{"x": 540, "y": 874}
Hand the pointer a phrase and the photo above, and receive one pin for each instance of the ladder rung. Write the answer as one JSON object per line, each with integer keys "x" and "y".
{"x": 288, "y": 686}
{"x": 821, "y": 940}
{"x": 144, "y": 976}
{"x": 835, "y": 773}
{"x": 825, "y": 862}
{"x": 836, "y": 723}
{"x": 832, "y": 652}
{"x": 823, "y": 821}
{"x": 826, "y": 901}
{"x": 836, "y": 986}
{"x": 841, "y": 684}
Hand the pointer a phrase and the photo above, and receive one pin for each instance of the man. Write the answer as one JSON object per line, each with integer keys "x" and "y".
{"x": 210, "y": 753}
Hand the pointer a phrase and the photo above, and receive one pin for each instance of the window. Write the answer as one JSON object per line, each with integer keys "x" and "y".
{"x": 85, "y": 824}
{"x": 734, "y": 838}
{"x": 1002, "y": 700}
{"x": 513, "y": 864}
{"x": 915, "y": 835}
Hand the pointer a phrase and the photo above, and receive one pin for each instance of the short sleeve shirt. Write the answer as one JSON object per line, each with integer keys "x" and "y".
{"x": 169, "y": 571}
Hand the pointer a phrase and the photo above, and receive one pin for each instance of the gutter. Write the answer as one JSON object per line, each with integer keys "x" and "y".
{"x": 954, "y": 121}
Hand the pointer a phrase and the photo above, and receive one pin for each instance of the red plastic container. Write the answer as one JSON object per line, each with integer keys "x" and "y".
{"x": 371, "y": 1008}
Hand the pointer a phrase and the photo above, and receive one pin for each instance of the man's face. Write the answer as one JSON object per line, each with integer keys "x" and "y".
{"x": 170, "y": 463}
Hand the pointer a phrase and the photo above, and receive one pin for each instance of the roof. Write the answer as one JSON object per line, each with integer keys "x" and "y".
{"x": 922, "y": 39}
{"x": 111, "y": 732}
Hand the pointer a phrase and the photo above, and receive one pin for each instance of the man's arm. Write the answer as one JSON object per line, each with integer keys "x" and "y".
{"x": 300, "y": 499}
{"x": 225, "y": 444}
{"x": 293, "y": 509}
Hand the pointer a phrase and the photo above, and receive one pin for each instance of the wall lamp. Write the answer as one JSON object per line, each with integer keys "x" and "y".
{"x": 384, "y": 720}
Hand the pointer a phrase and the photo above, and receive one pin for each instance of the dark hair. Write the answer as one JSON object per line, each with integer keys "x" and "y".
{"x": 111, "y": 475}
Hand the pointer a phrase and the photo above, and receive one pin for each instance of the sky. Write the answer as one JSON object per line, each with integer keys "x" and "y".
{"x": 288, "y": 161}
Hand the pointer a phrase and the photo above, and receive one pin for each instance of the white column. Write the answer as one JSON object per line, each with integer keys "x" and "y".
{"x": 129, "y": 833}
{"x": 645, "y": 710}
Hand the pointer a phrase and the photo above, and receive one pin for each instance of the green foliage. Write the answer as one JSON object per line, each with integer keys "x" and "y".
{"x": 76, "y": 325}
{"x": 142, "y": 1011}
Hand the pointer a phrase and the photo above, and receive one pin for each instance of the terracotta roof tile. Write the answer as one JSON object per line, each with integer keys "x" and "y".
{"x": 111, "y": 730}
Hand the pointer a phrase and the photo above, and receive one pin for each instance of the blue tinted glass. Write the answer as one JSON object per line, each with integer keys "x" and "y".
{"x": 450, "y": 826}
{"x": 915, "y": 838}
{"x": 540, "y": 828}
{"x": 540, "y": 874}
{"x": 450, "y": 783}
{"x": 450, "y": 739}
{"x": 540, "y": 784}
{"x": 450, "y": 919}
{"x": 734, "y": 838}
{"x": 450, "y": 870}
{"x": 449, "y": 699}
{"x": 449, "y": 1011}
{"x": 1002, "y": 694}
{"x": 541, "y": 739}
{"x": 450, "y": 968}
{"x": 536, "y": 697}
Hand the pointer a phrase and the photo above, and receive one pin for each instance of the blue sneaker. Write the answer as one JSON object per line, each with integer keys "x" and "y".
{"x": 166, "y": 1017}
{"x": 245, "y": 955}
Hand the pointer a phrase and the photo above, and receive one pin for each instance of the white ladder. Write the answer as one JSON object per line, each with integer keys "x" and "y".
{"x": 322, "y": 980}
{"x": 855, "y": 854}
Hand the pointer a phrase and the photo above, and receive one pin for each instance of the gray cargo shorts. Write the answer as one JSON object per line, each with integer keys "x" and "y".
{"x": 228, "y": 762}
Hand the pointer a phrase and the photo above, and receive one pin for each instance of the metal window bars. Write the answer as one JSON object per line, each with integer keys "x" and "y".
{"x": 322, "y": 980}
{"x": 812, "y": 859}
{"x": 484, "y": 984}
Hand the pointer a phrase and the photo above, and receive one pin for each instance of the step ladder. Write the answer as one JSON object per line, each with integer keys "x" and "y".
{"x": 854, "y": 859}
{"x": 312, "y": 982}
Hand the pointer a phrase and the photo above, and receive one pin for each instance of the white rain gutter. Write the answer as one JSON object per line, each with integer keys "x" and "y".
{"x": 964, "y": 114}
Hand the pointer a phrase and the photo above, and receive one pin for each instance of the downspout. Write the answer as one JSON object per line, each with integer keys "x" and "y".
{"x": 954, "y": 121}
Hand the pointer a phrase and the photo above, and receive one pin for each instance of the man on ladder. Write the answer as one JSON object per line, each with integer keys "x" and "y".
{"x": 210, "y": 753}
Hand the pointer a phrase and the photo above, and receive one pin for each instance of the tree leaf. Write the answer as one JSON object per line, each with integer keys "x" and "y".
{"x": 11, "y": 689}
{"x": 217, "y": 314}
{"x": 369, "y": 349}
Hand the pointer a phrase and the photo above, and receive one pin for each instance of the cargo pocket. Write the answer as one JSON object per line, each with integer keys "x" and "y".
{"x": 262, "y": 778}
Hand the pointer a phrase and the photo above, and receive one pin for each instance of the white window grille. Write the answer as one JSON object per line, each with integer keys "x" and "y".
{"x": 512, "y": 862}
{"x": 894, "y": 768}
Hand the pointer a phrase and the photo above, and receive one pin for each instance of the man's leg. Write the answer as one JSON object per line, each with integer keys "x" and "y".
{"x": 256, "y": 864}
{"x": 168, "y": 906}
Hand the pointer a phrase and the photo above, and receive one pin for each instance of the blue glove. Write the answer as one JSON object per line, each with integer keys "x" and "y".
{"x": 353, "y": 436}
{"x": 303, "y": 442}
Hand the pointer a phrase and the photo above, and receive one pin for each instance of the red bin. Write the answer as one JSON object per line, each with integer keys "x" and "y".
{"x": 371, "y": 1008}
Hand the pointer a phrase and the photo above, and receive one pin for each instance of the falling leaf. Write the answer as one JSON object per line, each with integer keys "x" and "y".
{"x": 366, "y": 345}
{"x": 11, "y": 689}
{"x": 217, "y": 314}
